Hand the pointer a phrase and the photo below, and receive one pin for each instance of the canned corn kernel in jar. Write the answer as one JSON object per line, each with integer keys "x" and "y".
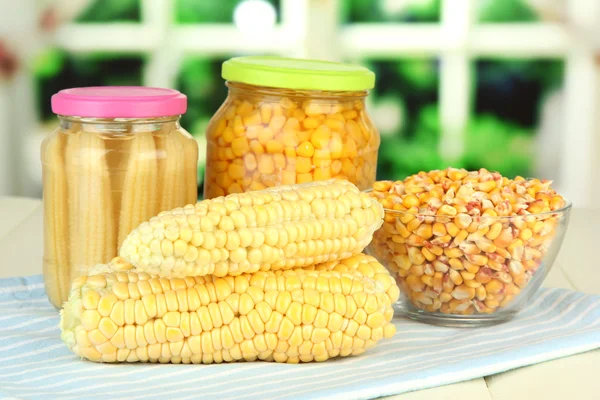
{"x": 288, "y": 121}
{"x": 118, "y": 157}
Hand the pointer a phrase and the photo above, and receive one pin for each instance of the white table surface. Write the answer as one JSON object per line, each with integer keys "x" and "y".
{"x": 575, "y": 377}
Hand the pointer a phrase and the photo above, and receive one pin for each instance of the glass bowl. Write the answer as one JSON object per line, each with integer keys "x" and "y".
{"x": 465, "y": 270}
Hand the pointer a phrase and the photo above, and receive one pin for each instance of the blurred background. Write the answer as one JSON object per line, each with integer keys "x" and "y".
{"x": 509, "y": 85}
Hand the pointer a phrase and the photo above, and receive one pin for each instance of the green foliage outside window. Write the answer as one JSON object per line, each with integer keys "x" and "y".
{"x": 113, "y": 11}
{"x": 208, "y": 11}
{"x": 391, "y": 11}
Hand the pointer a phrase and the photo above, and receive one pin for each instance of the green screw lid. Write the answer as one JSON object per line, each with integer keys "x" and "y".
{"x": 295, "y": 73}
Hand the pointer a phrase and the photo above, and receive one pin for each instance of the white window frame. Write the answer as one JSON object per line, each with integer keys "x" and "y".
{"x": 312, "y": 29}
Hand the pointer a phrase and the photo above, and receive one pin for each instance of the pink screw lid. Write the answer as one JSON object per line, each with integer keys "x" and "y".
{"x": 119, "y": 102}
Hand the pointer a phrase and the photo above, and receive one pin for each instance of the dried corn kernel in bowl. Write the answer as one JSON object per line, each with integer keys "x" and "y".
{"x": 468, "y": 247}
{"x": 288, "y": 121}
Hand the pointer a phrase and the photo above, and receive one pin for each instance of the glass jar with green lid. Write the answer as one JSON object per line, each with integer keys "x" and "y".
{"x": 289, "y": 121}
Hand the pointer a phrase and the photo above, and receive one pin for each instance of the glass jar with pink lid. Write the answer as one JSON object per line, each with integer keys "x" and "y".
{"x": 118, "y": 158}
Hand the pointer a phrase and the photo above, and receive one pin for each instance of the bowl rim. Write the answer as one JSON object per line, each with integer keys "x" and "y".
{"x": 562, "y": 211}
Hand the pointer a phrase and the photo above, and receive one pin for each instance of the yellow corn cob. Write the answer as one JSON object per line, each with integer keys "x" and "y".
{"x": 56, "y": 223}
{"x": 91, "y": 224}
{"x": 278, "y": 228}
{"x": 171, "y": 172}
{"x": 140, "y": 199}
{"x": 191, "y": 169}
{"x": 284, "y": 316}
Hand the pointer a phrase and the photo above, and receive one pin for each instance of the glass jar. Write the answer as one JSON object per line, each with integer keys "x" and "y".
{"x": 118, "y": 158}
{"x": 288, "y": 121}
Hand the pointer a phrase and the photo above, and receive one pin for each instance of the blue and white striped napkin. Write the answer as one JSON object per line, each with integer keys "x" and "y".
{"x": 35, "y": 364}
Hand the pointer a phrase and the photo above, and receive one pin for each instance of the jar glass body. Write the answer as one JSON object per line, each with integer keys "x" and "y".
{"x": 263, "y": 137}
{"x": 102, "y": 178}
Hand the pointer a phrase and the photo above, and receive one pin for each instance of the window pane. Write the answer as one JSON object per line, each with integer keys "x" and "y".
{"x": 221, "y": 11}
{"x": 513, "y": 89}
{"x": 403, "y": 106}
{"x": 515, "y": 10}
{"x": 111, "y": 11}
{"x": 58, "y": 70}
{"x": 200, "y": 79}
{"x": 509, "y": 97}
{"x": 391, "y": 10}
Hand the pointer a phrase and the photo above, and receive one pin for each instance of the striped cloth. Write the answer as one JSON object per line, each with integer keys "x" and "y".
{"x": 35, "y": 364}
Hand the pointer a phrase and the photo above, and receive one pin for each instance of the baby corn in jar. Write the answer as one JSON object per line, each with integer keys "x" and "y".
{"x": 288, "y": 121}
{"x": 118, "y": 157}
{"x": 468, "y": 248}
